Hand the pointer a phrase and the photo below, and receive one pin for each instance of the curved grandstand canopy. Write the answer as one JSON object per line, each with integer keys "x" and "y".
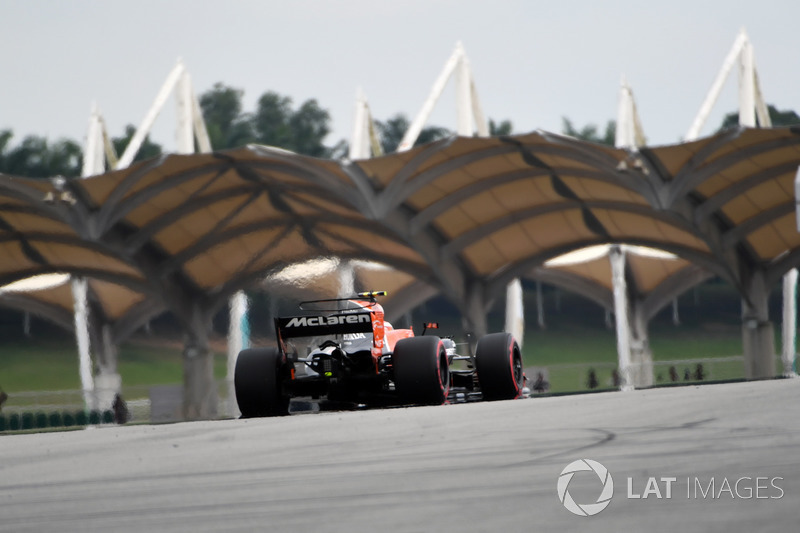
{"x": 456, "y": 214}
{"x": 737, "y": 187}
{"x": 40, "y": 233}
{"x": 216, "y": 223}
{"x": 500, "y": 206}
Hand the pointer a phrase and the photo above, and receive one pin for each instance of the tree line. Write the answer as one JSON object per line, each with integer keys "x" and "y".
{"x": 276, "y": 121}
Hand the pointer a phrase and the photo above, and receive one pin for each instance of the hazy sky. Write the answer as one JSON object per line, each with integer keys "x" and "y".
{"x": 534, "y": 62}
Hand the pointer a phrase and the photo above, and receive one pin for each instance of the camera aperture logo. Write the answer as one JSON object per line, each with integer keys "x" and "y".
{"x": 746, "y": 487}
{"x": 585, "y": 509}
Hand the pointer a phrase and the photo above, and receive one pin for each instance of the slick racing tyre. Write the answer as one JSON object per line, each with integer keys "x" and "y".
{"x": 421, "y": 370}
{"x": 498, "y": 361}
{"x": 258, "y": 382}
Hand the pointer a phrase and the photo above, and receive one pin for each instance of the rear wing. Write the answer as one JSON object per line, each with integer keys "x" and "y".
{"x": 320, "y": 325}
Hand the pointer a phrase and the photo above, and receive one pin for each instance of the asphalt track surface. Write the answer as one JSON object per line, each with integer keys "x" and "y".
{"x": 467, "y": 467}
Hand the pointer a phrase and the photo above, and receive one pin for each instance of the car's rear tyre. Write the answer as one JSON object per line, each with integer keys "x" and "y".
{"x": 498, "y": 361}
{"x": 421, "y": 370}
{"x": 258, "y": 383}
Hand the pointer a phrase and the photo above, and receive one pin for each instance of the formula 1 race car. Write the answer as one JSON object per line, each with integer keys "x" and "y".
{"x": 353, "y": 357}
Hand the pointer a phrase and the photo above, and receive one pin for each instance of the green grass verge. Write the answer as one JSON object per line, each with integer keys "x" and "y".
{"x": 52, "y": 364}
{"x": 569, "y": 351}
{"x": 582, "y": 344}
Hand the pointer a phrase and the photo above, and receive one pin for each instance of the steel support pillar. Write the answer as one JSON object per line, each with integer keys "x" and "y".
{"x": 617, "y": 258}
{"x": 474, "y": 314}
{"x": 81, "y": 314}
{"x": 641, "y": 354}
{"x": 199, "y": 387}
{"x": 758, "y": 340}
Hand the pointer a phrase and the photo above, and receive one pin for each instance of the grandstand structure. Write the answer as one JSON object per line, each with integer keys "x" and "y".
{"x": 464, "y": 217}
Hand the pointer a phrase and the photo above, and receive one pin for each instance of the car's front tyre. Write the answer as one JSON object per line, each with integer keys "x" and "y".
{"x": 498, "y": 362}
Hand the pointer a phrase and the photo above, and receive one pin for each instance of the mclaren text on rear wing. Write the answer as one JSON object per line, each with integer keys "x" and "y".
{"x": 319, "y": 325}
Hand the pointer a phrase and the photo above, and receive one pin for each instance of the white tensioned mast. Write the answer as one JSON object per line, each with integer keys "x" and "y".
{"x": 629, "y": 134}
{"x": 364, "y": 143}
{"x": 469, "y": 114}
{"x": 751, "y": 100}
{"x": 752, "y": 106}
{"x": 99, "y": 155}
{"x": 189, "y": 118}
{"x": 468, "y": 105}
